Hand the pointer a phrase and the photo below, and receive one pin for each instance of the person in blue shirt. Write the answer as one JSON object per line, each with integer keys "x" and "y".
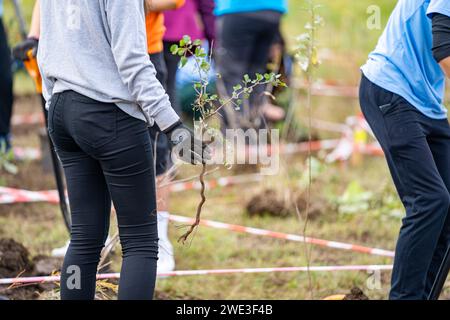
{"x": 402, "y": 97}
{"x": 6, "y": 87}
{"x": 246, "y": 31}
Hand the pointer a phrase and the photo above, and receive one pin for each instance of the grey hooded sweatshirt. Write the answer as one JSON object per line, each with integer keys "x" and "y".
{"x": 98, "y": 48}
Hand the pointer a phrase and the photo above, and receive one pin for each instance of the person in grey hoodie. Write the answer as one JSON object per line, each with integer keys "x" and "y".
{"x": 102, "y": 94}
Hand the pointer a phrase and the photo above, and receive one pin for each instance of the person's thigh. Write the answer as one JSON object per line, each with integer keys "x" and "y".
{"x": 268, "y": 31}
{"x": 172, "y": 62}
{"x": 90, "y": 206}
{"x": 161, "y": 68}
{"x": 161, "y": 151}
{"x": 440, "y": 146}
{"x": 160, "y": 143}
{"x": 236, "y": 35}
{"x": 127, "y": 163}
{"x": 89, "y": 200}
{"x": 371, "y": 98}
{"x": 260, "y": 55}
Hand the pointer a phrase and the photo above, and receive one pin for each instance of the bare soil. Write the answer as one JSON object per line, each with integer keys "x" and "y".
{"x": 356, "y": 294}
{"x": 15, "y": 261}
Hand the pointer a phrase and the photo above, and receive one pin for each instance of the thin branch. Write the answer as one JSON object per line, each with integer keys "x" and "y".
{"x": 185, "y": 236}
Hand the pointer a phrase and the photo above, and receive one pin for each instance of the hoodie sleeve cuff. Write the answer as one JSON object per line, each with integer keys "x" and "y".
{"x": 166, "y": 118}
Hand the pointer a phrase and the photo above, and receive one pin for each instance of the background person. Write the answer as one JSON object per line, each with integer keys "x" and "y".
{"x": 402, "y": 94}
{"x": 246, "y": 31}
{"x": 6, "y": 87}
{"x": 195, "y": 19}
{"x": 155, "y": 31}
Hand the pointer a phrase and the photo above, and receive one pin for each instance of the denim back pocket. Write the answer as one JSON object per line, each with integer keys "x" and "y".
{"x": 95, "y": 123}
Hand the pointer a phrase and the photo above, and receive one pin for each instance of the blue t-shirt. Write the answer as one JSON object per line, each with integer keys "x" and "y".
{"x": 237, "y": 6}
{"x": 403, "y": 60}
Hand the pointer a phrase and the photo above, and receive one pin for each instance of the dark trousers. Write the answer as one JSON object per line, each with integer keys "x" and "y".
{"x": 172, "y": 63}
{"x": 6, "y": 84}
{"x": 244, "y": 41}
{"x": 106, "y": 155}
{"x": 160, "y": 143}
{"x": 417, "y": 150}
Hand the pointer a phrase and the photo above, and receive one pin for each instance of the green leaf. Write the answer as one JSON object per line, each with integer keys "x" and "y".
{"x": 237, "y": 87}
{"x": 183, "y": 61}
{"x": 174, "y": 49}
{"x": 205, "y": 66}
{"x": 187, "y": 40}
{"x": 11, "y": 168}
{"x": 198, "y": 42}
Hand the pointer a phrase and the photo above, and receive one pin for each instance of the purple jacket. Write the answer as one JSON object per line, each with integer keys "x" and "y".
{"x": 195, "y": 18}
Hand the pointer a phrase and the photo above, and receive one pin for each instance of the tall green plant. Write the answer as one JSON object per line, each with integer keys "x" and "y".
{"x": 306, "y": 54}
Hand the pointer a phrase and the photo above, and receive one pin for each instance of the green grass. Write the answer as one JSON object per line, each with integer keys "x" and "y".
{"x": 40, "y": 228}
{"x": 344, "y": 36}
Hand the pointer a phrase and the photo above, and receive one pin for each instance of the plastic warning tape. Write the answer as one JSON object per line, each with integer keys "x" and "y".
{"x": 26, "y": 154}
{"x": 286, "y": 236}
{"x": 11, "y": 195}
{"x": 105, "y": 276}
{"x": 328, "y": 90}
{"x": 27, "y": 119}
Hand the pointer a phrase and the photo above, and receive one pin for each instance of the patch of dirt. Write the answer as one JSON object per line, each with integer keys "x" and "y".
{"x": 44, "y": 265}
{"x": 15, "y": 261}
{"x": 356, "y": 294}
{"x": 316, "y": 209}
{"x": 172, "y": 294}
{"x": 269, "y": 203}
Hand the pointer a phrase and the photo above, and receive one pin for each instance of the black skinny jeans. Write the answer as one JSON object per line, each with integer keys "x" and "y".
{"x": 6, "y": 84}
{"x": 417, "y": 150}
{"x": 107, "y": 155}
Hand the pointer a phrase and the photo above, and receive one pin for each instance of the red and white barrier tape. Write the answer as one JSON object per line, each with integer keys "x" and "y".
{"x": 46, "y": 279}
{"x": 211, "y": 184}
{"x": 294, "y": 148}
{"x": 27, "y": 119}
{"x": 23, "y": 154}
{"x": 285, "y": 236}
{"x": 11, "y": 195}
{"x": 27, "y": 154}
{"x": 328, "y": 90}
